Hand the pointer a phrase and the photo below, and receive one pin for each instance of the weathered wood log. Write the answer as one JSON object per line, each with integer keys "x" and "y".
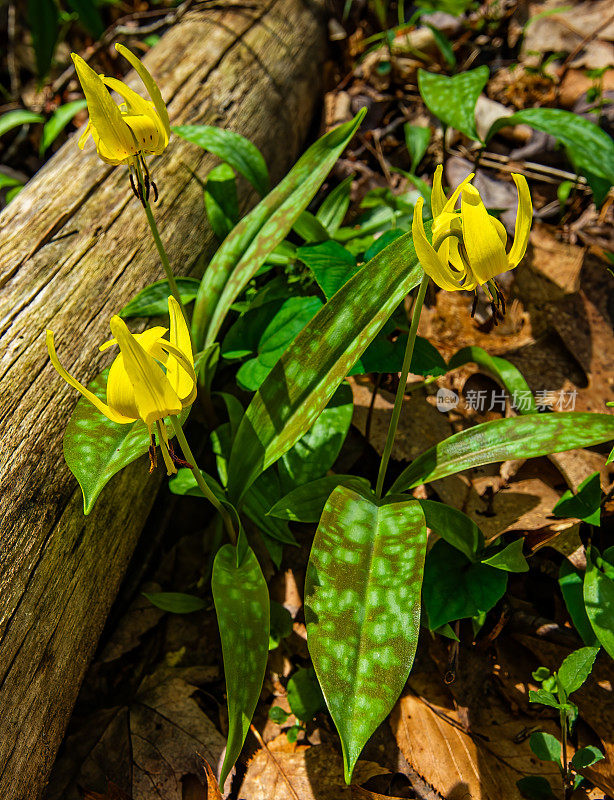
{"x": 74, "y": 247}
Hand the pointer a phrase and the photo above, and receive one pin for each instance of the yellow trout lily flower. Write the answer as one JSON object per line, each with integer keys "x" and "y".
{"x": 150, "y": 379}
{"x": 126, "y": 133}
{"x": 469, "y": 247}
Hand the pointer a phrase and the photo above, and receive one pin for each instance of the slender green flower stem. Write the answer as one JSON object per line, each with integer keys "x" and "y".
{"x": 202, "y": 484}
{"x": 156, "y": 237}
{"x": 398, "y": 400}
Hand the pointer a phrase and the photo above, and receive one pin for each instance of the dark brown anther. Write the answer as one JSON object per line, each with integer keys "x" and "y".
{"x": 155, "y": 191}
{"x": 177, "y": 460}
{"x": 153, "y": 453}
{"x": 134, "y": 189}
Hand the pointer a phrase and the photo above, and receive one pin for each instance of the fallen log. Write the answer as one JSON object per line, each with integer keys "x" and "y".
{"x": 74, "y": 247}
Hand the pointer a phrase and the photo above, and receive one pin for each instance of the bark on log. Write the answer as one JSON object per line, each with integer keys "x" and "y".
{"x": 74, "y": 247}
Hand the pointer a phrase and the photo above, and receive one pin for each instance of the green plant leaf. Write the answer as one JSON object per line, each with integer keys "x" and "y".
{"x": 317, "y": 450}
{"x": 305, "y": 378}
{"x": 12, "y": 193}
{"x": 152, "y": 301}
{"x": 572, "y": 589}
{"x": 332, "y": 265}
{"x": 304, "y": 694}
{"x": 453, "y": 99}
{"x": 545, "y": 746}
{"x": 510, "y": 559}
{"x": 221, "y": 200}
{"x": 278, "y": 715}
{"x": 586, "y": 757}
{"x": 444, "y": 45}
{"x": 58, "y": 121}
{"x": 585, "y": 504}
{"x": 454, "y": 588}
{"x": 246, "y": 249}
{"x": 309, "y": 228}
{"x": 281, "y": 627}
{"x": 599, "y": 602}
{"x": 184, "y": 483}
{"x": 7, "y": 180}
{"x": 417, "y": 139}
{"x": 526, "y": 436}
{"x": 257, "y": 503}
{"x": 383, "y": 241}
{"x": 382, "y": 355}
{"x": 95, "y": 448}
{"x": 590, "y": 147}
{"x": 176, "y": 602}
{"x": 241, "y": 599}
{"x": 454, "y": 526}
{"x": 232, "y": 148}
{"x": 42, "y": 19}
{"x": 279, "y": 333}
{"x": 89, "y": 16}
{"x": 544, "y": 697}
{"x": 576, "y": 668}
{"x": 306, "y": 503}
{"x": 534, "y": 787}
{"x": 334, "y": 207}
{"x": 362, "y": 608}
{"x": 16, "y": 118}
{"x": 503, "y": 371}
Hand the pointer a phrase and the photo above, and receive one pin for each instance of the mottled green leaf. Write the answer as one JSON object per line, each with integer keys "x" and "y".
{"x": 417, "y": 138}
{"x": 527, "y": 436}
{"x": 503, "y": 371}
{"x": 362, "y": 608}
{"x": 572, "y": 589}
{"x": 246, "y": 249}
{"x": 510, "y": 559}
{"x": 221, "y": 200}
{"x": 455, "y": 588}
{"x": 590, "y": 147}
{"x": 586, "y": 757}
{"x": 599, "y": 602}
{"x": 232, "y": 148}
{"x": 16, "y": 118}
{"x": 454, "y": 526}
{"x": 153, "y": 299}
{"x": 453, "y": 99}
{"x": 309, "y": 228}
{"x": 305, "y": 378}
{"x": 317, "y": 450}
{"x": 334, "y": 207}
{"x": 58, "y": 121}
{"x": 306, "y": 503}
{"x": 281, "y": 627}
{"x": 576, "y": 668}
{"x": 585, "y": 504}
{"x": 241, "y": 599}
{"x": 545, "y": 746}
{"x": 332, "y": 265}
{"x": 176, "y": 602}
{"x": 95, "y": 448}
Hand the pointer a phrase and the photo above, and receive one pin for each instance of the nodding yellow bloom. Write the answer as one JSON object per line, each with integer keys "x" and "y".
{"x": 469, "y": 247}
{"x": 150, "y": 379}
{"x": 134, "y": 129}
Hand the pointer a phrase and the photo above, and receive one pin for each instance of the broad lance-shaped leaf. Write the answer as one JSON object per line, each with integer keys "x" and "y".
{"x": 528, "y": 436}
{"x": 304, "y": 379}
{"x": 599, "y": 602}
{"x": 245, "y": 250}
{"x": 96, "y": 449}
{"x": 241, "y": 599}
{"x": 453, "y": 99}
{"x": 362, "y": 608}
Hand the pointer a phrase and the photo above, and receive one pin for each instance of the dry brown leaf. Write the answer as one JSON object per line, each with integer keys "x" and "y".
{"x": 213, "y": 789}
{"x": 559, "y": 262}
{"x": 147, "y": 748}
{"x": 113, "y": 792}
{"x": 314, "y": 773}
{"x": 483, "y": 764}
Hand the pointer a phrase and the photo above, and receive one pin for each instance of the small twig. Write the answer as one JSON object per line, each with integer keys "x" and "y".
{"x": 280, "y": 769}
{"x": 588, "y": 38}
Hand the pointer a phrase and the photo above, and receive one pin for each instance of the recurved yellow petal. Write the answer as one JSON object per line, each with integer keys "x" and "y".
{"x": 142, "y": 118}
{"x": 451, "y": 202}
{"x": 180, "y": 366}
{"x": 154, "y": 396}
{"x": 483, "y": 245}
{"x": 150, "y": 85}
{"x": 105, "y": 409}
{"x": 438, "y": 198}
{"x": 431, "y": 263}
{"x": 112, "y": 136}
{"x": 524, "y": 218}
